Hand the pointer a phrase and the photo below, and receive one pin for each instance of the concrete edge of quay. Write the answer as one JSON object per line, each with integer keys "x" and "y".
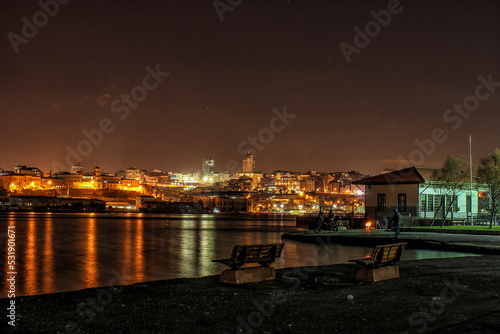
{"x": 423, "y": 229}
{"x": 372, "y": 241}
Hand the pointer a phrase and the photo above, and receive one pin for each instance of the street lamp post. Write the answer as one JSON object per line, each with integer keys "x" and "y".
{"x": 470, "y": 172}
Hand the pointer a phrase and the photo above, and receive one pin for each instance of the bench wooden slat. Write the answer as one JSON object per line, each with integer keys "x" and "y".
{"x": 263, "y": 254}
{"x": 383, "y": 255}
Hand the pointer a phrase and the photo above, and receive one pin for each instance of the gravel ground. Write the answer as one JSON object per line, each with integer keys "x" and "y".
{"x": 452, "y": 295}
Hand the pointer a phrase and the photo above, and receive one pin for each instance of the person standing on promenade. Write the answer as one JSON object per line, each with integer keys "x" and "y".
{"x": 395, "y": 221}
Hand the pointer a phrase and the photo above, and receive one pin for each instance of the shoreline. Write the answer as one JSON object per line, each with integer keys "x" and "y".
{"x": 152, "y": 216}
{"x": 458, "y": 294}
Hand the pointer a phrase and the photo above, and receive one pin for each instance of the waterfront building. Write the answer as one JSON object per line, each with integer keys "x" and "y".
{"x": 418, "y": 198}
{"x": 48, "y": 203}
{"x": 141, "y": 201}
{"x": 232, "y": 202}
{"x": 19, "y": 182}
{"x": 106, "y": 181}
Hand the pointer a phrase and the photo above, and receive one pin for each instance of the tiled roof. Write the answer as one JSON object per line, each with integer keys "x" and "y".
{"x": 426, "y": 172}
{"x": 405, "y": 176}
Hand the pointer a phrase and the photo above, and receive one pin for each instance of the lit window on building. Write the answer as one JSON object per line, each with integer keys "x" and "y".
{"x": 381, "y": 202}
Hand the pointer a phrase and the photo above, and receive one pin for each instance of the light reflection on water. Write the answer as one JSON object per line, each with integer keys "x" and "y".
{"x": 90, "y": 269}
{"x": 30, "y": 258}
{"x": 48, "y": 258}
{"x": 59, "y": 252}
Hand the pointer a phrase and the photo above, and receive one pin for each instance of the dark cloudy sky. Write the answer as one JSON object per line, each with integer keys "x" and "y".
{"x": 226, "y": 77}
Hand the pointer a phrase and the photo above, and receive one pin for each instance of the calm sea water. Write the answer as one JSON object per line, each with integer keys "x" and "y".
{"x": 64, "y": 252}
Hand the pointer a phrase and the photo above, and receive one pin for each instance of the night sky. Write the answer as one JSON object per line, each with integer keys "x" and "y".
{"x": 226, "y": 78}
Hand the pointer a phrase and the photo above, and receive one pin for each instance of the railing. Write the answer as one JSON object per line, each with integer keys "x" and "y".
{"x": 305, "y": 221}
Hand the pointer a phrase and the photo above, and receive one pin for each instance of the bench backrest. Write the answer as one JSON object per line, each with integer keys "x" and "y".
{"x": 254, "y": 253}
{"x": 385, "y": 253}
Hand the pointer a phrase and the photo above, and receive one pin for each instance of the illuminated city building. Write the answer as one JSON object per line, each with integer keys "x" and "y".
{"x": 157, "y": 178}
{"x": 69, "y": 179}
{"x": 231, "y": 203}
{"x": 287, "y": 181}
{"x": 308, "y": 185}
{"x": 51, "y": 182}
{"x": 333, "y": 187}
{"x": 78, "y": 169}
{"x": 21, "y": 169}
{"x": 248, "y": 163}
{"x": 133, "y": 173}
{"x": 207, "y": 166}
{"x": 19, "y": 182}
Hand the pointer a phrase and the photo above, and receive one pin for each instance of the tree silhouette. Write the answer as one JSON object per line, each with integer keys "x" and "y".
{"x": 449, "y": 180}
{"x": 489, "y": 172}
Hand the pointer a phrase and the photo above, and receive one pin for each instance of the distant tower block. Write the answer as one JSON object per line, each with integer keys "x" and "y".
{"x": 97, "y": 171}
{"x": 77, "y": 169}
{"x": 207, "y": 165}
{"x": 248, "y": 163}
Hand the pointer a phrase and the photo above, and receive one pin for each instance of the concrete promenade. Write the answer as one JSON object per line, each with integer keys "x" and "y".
{"x": 470, "y": 243}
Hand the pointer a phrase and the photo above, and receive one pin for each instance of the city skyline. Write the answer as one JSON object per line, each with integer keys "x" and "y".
{"x": 303, "y": 85}
{"x": 89, "y": 169}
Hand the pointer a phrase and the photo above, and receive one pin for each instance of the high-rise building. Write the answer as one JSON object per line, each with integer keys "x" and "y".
{"x": 77, "y": 169}
{"x": 248, "y": 163}
{"x": 207, "y": 165}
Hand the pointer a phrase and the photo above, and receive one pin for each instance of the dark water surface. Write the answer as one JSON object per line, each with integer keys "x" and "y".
{"x": 64, "y": 252}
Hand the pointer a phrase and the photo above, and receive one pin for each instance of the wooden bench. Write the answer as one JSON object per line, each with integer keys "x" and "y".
{"x": 458, "y": 222}
{"x": 262, "y": 254}
{"x": 382, "y": 255}
{"x": 380, "y": 265}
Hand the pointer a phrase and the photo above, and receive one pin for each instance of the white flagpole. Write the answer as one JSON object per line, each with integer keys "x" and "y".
{"x": 470, "y": 171}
